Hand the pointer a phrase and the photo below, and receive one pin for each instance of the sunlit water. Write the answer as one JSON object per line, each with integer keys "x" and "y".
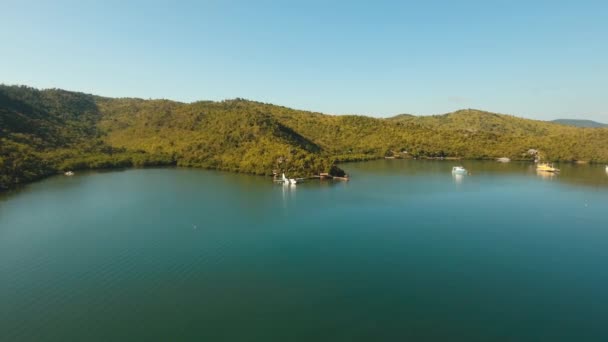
{"x": 403, "y": 250}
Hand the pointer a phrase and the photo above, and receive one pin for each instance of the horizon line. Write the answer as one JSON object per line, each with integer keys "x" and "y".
{"x": 286, "y": 106}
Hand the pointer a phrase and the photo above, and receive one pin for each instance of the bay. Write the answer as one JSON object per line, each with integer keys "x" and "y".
{"x": 403, "y": 250}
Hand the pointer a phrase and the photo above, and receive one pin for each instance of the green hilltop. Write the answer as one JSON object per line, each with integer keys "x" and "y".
{"x": 47, "y": 131}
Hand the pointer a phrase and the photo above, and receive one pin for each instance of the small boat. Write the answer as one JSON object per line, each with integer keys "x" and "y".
{"x": 459, "y": 170}
{"x": 546, "y": 167}
{"x": 69, "y": 173}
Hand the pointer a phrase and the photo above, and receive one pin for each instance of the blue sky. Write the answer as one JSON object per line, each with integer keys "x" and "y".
{"x": 538, "y": 59}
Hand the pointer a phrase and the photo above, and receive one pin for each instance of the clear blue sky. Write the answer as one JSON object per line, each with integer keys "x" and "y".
{"x": 538, "y": 59}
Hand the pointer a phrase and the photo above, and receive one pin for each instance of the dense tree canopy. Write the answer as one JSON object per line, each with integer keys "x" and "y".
{"x": 47, "y": 131}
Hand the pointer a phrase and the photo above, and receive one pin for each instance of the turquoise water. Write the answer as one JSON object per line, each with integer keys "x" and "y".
{"x": 402, "y": 251}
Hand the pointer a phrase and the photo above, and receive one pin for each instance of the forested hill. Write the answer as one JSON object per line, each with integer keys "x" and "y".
{"x": 47, "y": 131}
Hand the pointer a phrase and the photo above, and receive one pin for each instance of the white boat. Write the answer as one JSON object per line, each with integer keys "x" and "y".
{"x": 69, "y": 173}
{"x": 459, "y": 170}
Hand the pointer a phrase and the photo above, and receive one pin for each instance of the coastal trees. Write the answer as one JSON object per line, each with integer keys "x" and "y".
{"x": 46, "y": 131}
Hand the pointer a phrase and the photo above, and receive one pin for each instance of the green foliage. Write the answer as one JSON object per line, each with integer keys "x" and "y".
{"x": 19, "y": 163}
{"x": 43, "y": 132}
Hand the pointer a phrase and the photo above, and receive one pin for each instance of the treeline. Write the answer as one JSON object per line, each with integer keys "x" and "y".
{"x": 45, "y": 132}
{"x": 48, "y": 131}
{"x": 20, "y": 163}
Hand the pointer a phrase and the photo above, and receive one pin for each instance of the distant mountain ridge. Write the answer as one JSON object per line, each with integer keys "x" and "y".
{"x": 580, "y": 123}
{"x": 43, "y": 132}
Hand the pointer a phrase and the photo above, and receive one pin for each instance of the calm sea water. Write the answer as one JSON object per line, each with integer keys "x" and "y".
{"x": 404, "y": 250}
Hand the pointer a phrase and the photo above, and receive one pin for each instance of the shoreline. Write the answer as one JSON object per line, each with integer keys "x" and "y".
{"x": 16, "y": 186}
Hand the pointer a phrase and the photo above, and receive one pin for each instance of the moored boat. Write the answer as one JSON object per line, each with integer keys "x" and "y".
{"x": 459, "y": 170}
{"x": 546, "y": 167}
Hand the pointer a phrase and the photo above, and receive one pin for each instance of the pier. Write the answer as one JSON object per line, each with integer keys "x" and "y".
{"x": 321, "y": 176}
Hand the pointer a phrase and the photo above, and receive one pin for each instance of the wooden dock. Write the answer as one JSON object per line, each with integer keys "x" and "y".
{"x": 346, "y": 179}
{"x": 321, "y": 176}
{"x": 325, "y": 175}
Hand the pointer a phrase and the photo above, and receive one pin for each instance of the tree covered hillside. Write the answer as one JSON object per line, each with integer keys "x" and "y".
{"x": 480, "y": 134}
{"x": 44, "y": 132}
{"x": 48, "y": 131}
{"x": 229, "y": 135}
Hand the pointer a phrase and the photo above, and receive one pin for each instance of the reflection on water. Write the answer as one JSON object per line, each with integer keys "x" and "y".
{"x": 457, "y": 178}
{"x": 574, "y": 174}
{"x": 288, "y": 193}
{"x": 546, "y": 174}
